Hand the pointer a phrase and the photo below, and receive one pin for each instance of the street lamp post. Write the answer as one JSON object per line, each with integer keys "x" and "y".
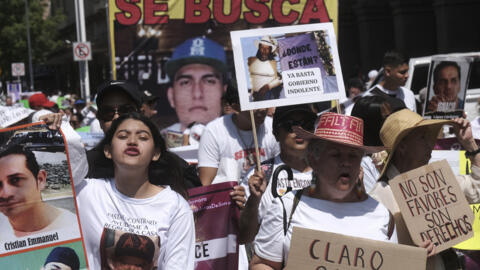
{"x": 30, "y": 69}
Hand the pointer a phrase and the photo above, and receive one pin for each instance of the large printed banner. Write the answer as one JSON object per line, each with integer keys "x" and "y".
{"x": 38, "y": 219}
{"x": 433, "y": 205}
{"x": 287, "y": 65}
{"x": 216, "y": 226}
{"x": 311, "y": 249}
{"x": 144, "y": 33}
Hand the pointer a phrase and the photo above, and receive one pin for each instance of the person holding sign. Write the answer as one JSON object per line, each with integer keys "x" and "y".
{"x": 292, "y": 154}
{"x": 21, "y": 183}
{"x": 135, "y": 200}
{"x": 230, "y": 136}
{"x": 337, "y": 203}
{"x": 410, "y": 140}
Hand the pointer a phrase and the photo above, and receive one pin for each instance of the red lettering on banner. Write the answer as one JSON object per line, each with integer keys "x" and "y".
{"x": 278, "y": 14}
{"x": 197, "y": 12}
{"x": 258, "y": 7}
{"x": 315, "y": 10}
{"x": 128, "y": 8}
{"x": 150, "y": 7}
{"x": 235, "y": 9}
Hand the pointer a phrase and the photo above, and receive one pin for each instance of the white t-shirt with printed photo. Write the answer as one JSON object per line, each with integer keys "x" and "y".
{"x": 159, "y": 230}
{"x": 221, "y": 138}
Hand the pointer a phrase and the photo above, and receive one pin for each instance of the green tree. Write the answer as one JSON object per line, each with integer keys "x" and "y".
{"x": 13, "y": 34}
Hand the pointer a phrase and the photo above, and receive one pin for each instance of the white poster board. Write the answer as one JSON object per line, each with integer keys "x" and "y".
{"x": 287, "y": 65}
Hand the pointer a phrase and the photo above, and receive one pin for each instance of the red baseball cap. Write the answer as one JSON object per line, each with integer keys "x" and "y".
{"x": 40, "y": 100}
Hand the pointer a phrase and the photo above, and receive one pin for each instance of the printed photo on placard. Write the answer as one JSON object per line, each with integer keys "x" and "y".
{"x": 287, "y": 65}
{"x": 37, "y": 207}
{"x": 65, "y": 256}
{"x": 446, "y": 90}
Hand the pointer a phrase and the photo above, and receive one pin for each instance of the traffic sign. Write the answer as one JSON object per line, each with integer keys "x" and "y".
{"x": 82, "y": 51}
{"x": 18, "y": 69}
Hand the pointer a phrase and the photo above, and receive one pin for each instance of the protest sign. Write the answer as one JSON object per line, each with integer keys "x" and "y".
{"x": 10, "y": 115}
{"x": 287, "y": 65}
{"x": 216, "y": 226}
{"x": 155, "y": 28}
{"x": 446, "y": 89}
{"x": 311, "y": 249}
{"x": 433, "y": 205}
{"x": 474, "y": 242}
{"x": 37, "y": 206}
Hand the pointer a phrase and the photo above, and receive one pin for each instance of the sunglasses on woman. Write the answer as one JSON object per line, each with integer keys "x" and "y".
{"x": 106, "y": 113}
{"x": 307, "y": 125}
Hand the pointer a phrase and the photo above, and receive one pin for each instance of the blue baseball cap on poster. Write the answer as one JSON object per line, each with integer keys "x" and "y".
{"x": 197, "y": 50}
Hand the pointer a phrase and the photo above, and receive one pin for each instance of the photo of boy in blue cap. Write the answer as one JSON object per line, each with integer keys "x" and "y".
{"x": 197, "y": 81}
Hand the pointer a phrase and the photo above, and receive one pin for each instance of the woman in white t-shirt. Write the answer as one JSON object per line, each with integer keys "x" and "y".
{"x": 337, "y": 203}
{"x": 135, "y": 220}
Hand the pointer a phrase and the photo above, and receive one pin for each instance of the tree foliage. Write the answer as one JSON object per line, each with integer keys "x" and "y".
{"x": 13, "y": 34}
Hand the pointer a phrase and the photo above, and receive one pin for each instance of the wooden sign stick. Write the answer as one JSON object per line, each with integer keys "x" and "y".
{"x": 255, "y": 139}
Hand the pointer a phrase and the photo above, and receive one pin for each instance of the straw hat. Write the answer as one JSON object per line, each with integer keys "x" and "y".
{"x": 341, "y": 129}
{"x": 400, "y": 124}
{"x": 267, "y": 41}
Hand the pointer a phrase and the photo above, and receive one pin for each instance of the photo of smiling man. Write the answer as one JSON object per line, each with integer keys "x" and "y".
{"x": 26, "y": 219}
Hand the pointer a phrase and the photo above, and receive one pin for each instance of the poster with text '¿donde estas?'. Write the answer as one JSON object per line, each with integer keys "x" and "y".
{"x": 287, "y": 65}
{"x": 38, "y": 215}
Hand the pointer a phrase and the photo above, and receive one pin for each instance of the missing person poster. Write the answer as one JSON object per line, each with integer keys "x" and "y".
{"x": 287, "y": 65}
{"x": 433, "y": 205}
{"x": 446, "y": 89}
{"x": 37, "y": 207}
{"x": 311, "y": 249}
{"x": 216, "y": 226}
{"x": 145, "y": 35}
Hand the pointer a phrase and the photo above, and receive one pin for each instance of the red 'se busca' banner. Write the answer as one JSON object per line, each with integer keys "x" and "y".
{"x": 144, "y": 33}
{"x": 216, "y": 226}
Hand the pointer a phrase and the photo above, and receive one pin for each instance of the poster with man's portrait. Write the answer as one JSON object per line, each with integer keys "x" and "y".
{"x": 287, "y": 65}
{"x": 37, "y": 207}
{"x": 446, "y": 88}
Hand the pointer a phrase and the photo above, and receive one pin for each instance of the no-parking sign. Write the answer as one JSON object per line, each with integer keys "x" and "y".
{"x": 82, "y": 51}
{"x": 18, "y": 69}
